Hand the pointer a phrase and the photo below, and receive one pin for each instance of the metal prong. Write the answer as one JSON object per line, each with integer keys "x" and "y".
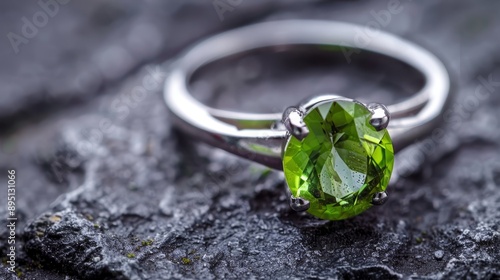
{"x": 292, "y": 119}
{"x": 379, "y": 198}
{"x": 380, "y": 116}
{"x": 299, "y": 204}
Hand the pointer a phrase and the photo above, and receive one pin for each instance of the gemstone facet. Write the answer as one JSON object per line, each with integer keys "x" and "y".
{"x": 342, "y": 163}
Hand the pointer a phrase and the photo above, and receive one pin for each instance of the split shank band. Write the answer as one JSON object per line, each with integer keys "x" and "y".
{"x": 251, "y": 135}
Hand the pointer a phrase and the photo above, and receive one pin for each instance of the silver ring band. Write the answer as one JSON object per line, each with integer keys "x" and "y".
{"x": 250, "y": 135}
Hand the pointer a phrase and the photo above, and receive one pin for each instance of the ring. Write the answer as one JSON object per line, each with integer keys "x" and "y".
{"x": 337, "y": 153}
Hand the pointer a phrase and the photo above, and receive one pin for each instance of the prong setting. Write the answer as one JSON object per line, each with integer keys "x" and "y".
{"x": 292, "y": 119}
{"x": 299, "y": 204}
{"x": 380, "y": 116}
{"x": 379, "y": 198}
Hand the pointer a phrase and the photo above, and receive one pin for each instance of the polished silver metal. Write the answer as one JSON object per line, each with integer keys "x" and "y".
{"x": 379, "y": 198}
{"x": 294, "y": 123}
{"x": 255, "y": 136}
{"x": 380, "y": 116}
{"x": 299, "y": 204}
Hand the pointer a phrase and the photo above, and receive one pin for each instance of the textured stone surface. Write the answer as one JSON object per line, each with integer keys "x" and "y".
{"x": 139, "y": 200}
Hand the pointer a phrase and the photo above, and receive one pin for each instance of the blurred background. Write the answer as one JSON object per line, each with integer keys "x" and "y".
{"x": 106, "y": 189}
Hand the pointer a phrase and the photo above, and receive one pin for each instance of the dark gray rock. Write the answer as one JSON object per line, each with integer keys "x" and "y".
{"x": 7, "y": 275}
{"x": 108, "y": 189}
{"x": 68, "y": 238}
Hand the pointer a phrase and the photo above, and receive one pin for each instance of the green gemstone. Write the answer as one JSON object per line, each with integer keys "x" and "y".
{"x": 342, "y": 163}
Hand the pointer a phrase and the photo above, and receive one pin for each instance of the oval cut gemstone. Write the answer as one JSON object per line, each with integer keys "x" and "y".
{"x": 342, "y": 163}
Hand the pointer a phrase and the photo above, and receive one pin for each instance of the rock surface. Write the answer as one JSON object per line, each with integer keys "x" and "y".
{"x": 107, "y": 189}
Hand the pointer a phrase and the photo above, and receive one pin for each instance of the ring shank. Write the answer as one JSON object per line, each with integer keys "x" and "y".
{"x": 250, "y": 135}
